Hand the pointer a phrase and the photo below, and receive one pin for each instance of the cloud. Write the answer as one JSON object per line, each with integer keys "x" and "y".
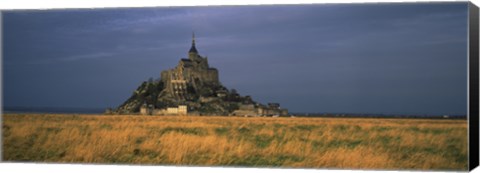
{"x": 87, "y": 56}
{"x": 332, "y": 52}
{"x": 72, "y": 58}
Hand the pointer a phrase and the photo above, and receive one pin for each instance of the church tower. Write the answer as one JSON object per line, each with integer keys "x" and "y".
{"x": 193, "y": 53}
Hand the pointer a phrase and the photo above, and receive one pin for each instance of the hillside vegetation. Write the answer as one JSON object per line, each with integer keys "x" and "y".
{"x": 361, "y": 143}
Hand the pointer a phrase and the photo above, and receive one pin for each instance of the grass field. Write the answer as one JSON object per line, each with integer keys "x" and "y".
{"x": 236, "y": 141}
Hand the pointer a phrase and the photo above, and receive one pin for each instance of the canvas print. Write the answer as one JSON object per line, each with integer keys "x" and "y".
{"x": 322, "y": 86}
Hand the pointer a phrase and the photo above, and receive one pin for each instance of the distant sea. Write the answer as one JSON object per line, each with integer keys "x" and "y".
{"x": 371, "y": 115}
{"x": 53, "y": 110}
{"x": 46, "y": 110}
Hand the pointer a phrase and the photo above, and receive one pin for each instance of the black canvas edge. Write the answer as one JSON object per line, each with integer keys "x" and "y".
{"x": 473, "y": 90}
{"x": 1, "y": 84}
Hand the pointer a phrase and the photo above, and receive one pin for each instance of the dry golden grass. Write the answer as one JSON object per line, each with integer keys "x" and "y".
{"x": 236, "y": 141}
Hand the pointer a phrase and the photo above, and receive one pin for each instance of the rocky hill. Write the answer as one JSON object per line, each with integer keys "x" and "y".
{"x": 193, "y": 83}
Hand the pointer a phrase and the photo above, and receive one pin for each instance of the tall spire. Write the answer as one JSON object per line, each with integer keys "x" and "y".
{"x": 193, "y": 38}
{"x": 193, "y": 49}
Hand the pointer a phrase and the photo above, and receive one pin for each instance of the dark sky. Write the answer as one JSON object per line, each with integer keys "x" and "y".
{"x": 354, "y": 58}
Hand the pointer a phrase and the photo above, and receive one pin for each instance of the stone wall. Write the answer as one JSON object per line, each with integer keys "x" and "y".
{"x": 189, "y": 72}
{"x": 180, "y": 110}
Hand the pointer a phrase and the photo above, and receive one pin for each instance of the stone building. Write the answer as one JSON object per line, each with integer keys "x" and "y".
{"x": 146, "y": 109}
{"x": 192, "y": 87}
{"x": 191, "y": 73}
{"x": 180, "y": 110}
{"x": 273, "y": 109}
{"x": 150, "y": 110}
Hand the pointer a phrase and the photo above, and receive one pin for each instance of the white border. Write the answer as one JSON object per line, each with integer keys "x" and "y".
{"x": 56, "y": 4}
{"x": 67, "y": 4}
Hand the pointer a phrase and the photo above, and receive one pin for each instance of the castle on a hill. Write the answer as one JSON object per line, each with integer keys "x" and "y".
{"x": 193, "y": 88}
{"x": 190, "y": 76}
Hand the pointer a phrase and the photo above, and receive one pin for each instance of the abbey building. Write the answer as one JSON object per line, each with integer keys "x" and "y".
{"x": 193, "y": 88}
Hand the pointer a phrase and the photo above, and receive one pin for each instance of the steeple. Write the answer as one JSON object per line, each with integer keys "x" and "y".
{"x": 193, "y": 49}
